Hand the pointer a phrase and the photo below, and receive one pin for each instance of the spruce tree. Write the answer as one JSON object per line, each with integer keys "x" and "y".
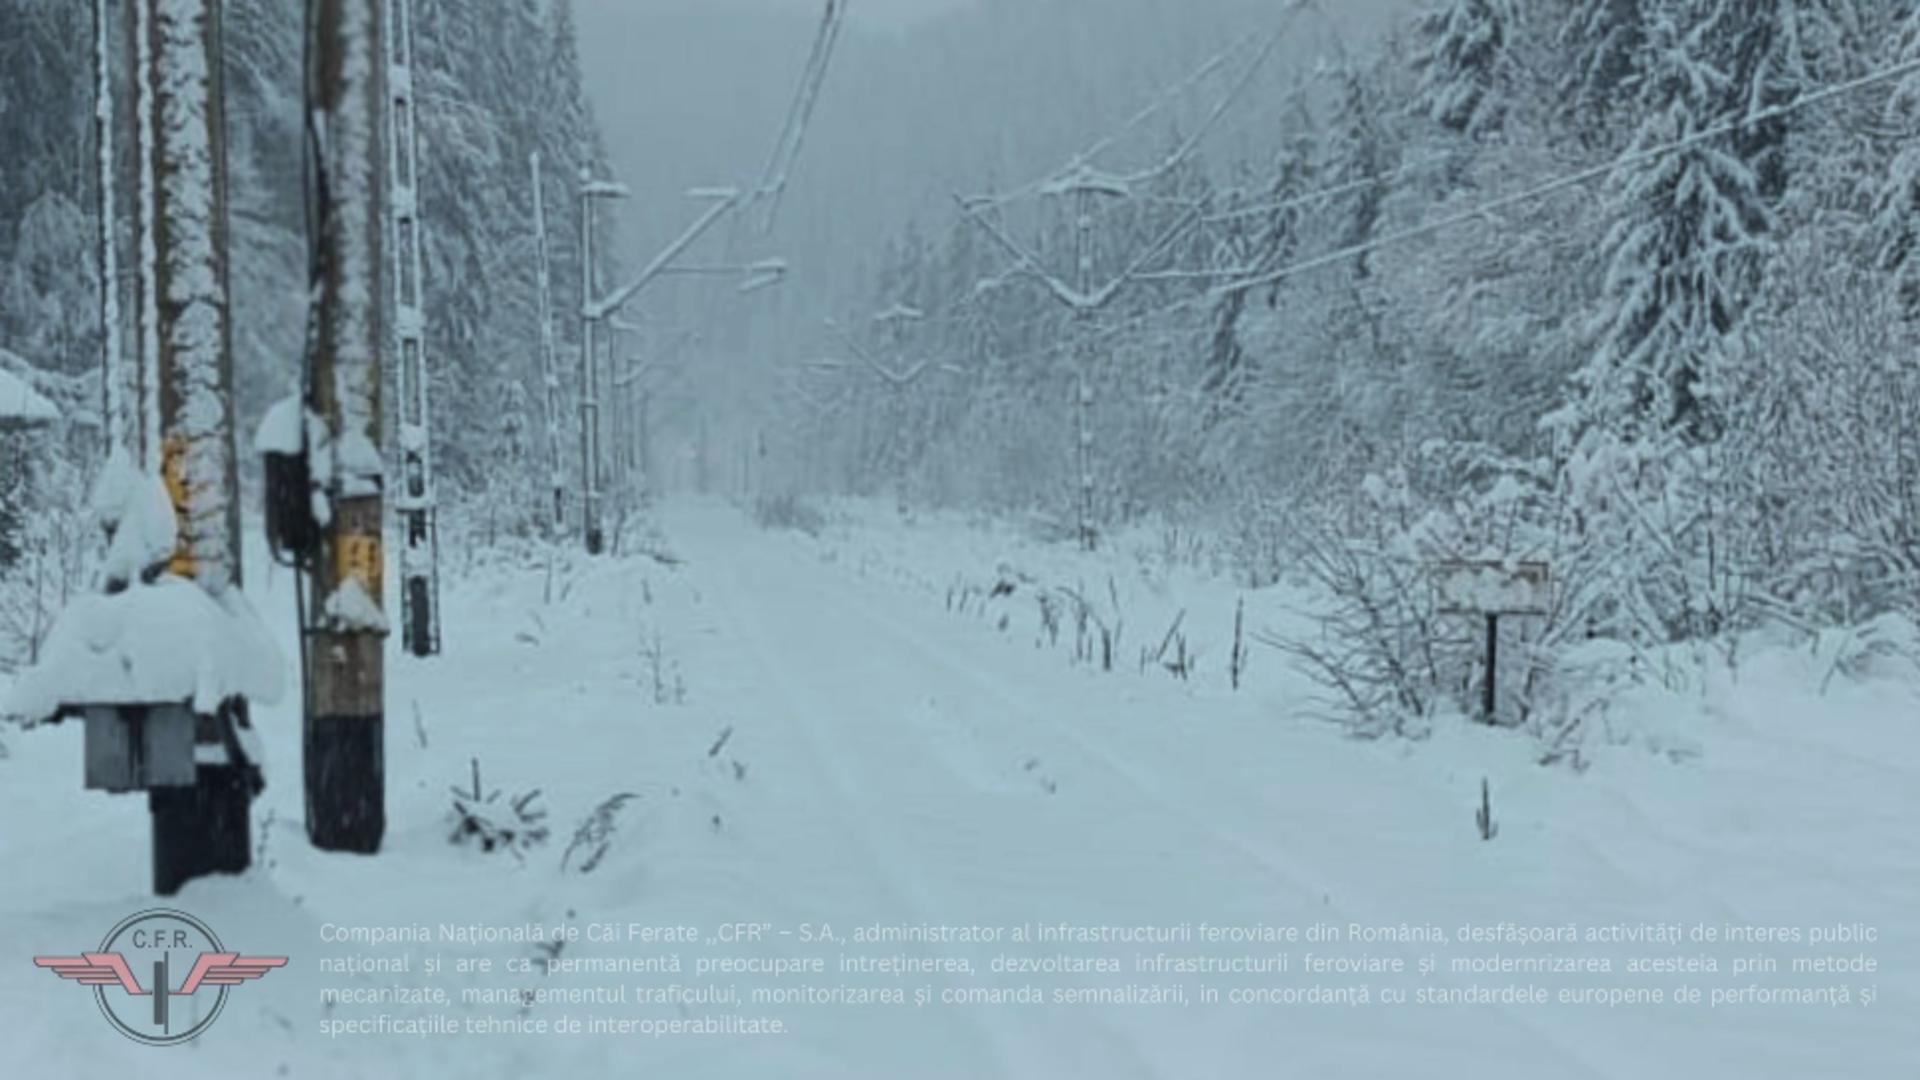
{"x": 1461, "y": 64}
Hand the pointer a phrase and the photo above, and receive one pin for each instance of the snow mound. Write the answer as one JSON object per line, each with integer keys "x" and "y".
{"x": 18, "y": 401}
{"x": 133, "y": 507}
{"x": 170, "y": 641}
{"x": 352, "y": 608}
{"x": 281, "y": 430}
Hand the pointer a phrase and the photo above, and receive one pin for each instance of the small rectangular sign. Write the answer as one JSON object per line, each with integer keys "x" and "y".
{"x": 1487, "y": 587}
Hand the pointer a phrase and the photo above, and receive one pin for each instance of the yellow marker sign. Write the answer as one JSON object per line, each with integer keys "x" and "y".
{"x": 357, "y": 557}
{"x": 173, "y": 472}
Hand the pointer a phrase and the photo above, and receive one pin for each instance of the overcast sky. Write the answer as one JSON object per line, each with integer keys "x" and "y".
{"x": 926, "y": 98}
{"x": 874, "y": 13}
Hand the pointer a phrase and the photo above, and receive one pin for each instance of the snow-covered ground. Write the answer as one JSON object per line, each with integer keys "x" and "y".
{"x": 843, "y": 730}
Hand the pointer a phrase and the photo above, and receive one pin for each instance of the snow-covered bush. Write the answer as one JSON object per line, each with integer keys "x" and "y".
{"x": 1828, "y": 440}
{"x": 789, "y": 511}
{"x": 480, "y": 816}
{"x": 46, "y": 540}
{"x": 1376, "y": 650}
{"x": 1389, "y": 658}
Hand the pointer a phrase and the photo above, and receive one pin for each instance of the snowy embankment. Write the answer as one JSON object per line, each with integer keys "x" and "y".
{"x": 812, "y": 731}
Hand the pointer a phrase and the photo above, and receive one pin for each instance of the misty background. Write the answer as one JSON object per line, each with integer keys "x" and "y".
{"x": 926, "y": 99}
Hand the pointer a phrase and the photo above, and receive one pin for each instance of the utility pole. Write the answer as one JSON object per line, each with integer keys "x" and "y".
{"x": 417, "y": 505}
{"x": 203, "y": 828}
{"x": 618, "y": 362}
{"x": 1084, "y": 188}
{"x": 549, "y": 357}
{"x": 345, "y": 717}
{"x": 1081, "y": 183}
{"x": 144, "y": 411}
{"x": 894, "y": 325}
{"x": 591, "y": 191}
{"x": 596, "y": 309}
{"x": 624, "y": 365}
{"x": 112, "y": 378}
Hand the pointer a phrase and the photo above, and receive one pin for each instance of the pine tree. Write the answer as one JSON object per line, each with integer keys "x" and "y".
{"x": 1773, "y": 51}
{"x": 1462, "y": 65}
{"x": 1684, "y": 252}
{"x": 1356, "y": 153}
{"x": 497, "y": 80}
{"x": 1257, "y": 244}
{"x": 1604, "y": 44}
{"x": 1895, "y": 228}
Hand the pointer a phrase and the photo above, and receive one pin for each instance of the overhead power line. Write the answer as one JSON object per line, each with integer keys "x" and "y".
{"x": 1487, "y": 210}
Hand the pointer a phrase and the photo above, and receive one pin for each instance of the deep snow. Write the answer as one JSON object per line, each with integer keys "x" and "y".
{"x": 887, "y": 758}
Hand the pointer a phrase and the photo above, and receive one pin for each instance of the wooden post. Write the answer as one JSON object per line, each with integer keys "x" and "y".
{"x": 1489, "y": 589}
{"x": 201, "y": 829}
{"x": 1491, "y": 699}
{"x": 344, "y": 728}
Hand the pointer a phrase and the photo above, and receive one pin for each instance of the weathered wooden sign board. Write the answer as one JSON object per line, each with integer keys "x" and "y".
{"x": 1490, "y": 589}
{"x": 1487, "y": 587}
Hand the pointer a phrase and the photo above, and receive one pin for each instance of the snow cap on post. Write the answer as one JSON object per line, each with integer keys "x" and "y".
{"x": 170, "y": 642}
{"x": 280, "y": 431}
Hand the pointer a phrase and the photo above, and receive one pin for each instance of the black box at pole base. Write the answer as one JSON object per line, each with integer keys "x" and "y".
{"x": 346, "y": 782}
{"x": 201, "y": 830}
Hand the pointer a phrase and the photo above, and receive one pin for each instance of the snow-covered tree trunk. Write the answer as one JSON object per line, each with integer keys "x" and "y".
{"x": 192, "y": 321}
{"x": 145, "y": 409}
{"x": 202, "y": 828}
{"x": 113, "y": 392}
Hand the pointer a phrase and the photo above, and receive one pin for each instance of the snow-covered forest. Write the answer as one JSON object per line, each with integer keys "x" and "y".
{"x": 1418, "y": 476}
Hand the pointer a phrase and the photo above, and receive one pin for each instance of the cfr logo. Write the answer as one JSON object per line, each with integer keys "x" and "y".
{"x": 155, "y": 944}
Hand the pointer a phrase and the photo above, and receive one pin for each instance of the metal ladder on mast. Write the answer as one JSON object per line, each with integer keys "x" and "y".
{"x": 416, "y": 502}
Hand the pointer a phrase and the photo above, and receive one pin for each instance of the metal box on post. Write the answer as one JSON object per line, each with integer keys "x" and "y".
{"x": 139, "y": 747}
